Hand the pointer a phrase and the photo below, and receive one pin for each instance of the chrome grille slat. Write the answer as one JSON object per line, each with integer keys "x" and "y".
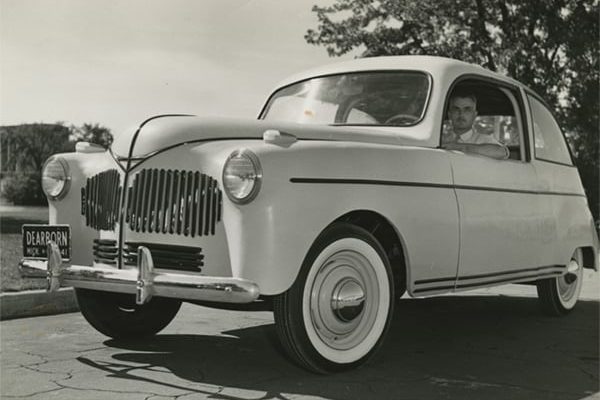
{"x": 141, "y": 211}
{"x": 160, "y": 199}
{"x": 96, "y": 191}
{"x": 201, "y": 191}
{"x": 176, "y": 203}
{"x": 117, "y": 204}
{"x": 135, "y": 192}
{"x": 154, "y": 191}
{"x": 193, "y": 200}
{"x": 87, "y": 202}
{"x": 145, "y": 181}
{"x": 173, "y": 202}
{"x": 128, "y": 211}
{"x": 208, "y": 196}
{"x": 167, "y": 208}
{"x": 107, "y": 198}
{"x": 102, "y": 202}
{"x": 179, "y": 202}
{"x": 92, "y": 206}
{"x": 183, "y": 227}
{"x": 213, "y": 214}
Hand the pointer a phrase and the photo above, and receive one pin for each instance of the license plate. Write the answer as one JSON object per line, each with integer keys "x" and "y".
{"x": 37, "y": 237}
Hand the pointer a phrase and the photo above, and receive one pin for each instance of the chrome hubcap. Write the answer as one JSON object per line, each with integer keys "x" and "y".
{"x": 344, "y": 300}
{"x": 567, "y": 285}
{"x": 348, "y": 300}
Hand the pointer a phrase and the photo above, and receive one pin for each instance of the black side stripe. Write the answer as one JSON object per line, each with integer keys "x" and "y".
{"x": 369, "y": 182}
{"x": 467, "y": 277}
{"x": 427, "y": 185}
{"x": 485, "y": 283}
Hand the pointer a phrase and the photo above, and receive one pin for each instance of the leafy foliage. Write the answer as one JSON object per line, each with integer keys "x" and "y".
{"x": 93, "y": 133}
{"x": 550, "y": 45}
{"x": 24, "y": 189}
{"x": 26, "y": 147}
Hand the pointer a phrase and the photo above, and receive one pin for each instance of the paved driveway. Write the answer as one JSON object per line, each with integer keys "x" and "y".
{"x": 479, "y": 346}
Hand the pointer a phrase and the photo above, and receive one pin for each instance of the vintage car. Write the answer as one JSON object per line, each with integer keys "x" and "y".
{"x": 336, "y": 201}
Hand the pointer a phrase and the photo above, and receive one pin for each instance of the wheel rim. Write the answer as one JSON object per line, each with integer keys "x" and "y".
{"x": 568, "y": 292}
{"x": 346, "y": 300}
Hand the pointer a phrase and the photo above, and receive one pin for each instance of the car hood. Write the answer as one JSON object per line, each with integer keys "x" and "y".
{"x": 160, "y": 132}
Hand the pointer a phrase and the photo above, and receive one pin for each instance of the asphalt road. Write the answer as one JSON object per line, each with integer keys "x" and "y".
{"x": 485, "y": 345}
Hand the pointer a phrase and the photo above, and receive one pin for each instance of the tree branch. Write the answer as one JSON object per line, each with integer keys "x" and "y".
{"x": 487, "y": 40}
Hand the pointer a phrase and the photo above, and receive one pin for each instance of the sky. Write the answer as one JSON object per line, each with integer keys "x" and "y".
{"x": 117, "y": 62}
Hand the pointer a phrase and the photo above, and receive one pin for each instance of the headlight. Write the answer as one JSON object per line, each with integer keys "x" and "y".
{"x": 56, "y": 178}
{"x": 242, "y": 176}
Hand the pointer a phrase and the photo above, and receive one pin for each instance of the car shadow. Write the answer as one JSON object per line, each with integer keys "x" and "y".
{"x": 465, "y": 347}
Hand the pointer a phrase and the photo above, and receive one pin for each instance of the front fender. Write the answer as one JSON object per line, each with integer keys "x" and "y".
{"x": 269, "y": 238}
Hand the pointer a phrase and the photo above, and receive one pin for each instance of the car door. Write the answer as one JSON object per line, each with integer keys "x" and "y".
{"x": 562, "y": 201}
{"x": 497, "y": 199}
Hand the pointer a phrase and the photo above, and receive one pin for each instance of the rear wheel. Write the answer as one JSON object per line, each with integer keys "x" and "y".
{"x": 336, "y": 314}
{"x": 558, "y": 296}
{"x": 117, "y": 315}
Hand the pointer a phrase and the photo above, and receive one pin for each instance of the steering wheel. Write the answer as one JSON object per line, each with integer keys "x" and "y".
{"x": 405, "y": 118}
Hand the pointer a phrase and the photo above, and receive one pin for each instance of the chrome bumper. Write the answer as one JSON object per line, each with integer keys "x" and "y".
{"x": 144, "y": 281}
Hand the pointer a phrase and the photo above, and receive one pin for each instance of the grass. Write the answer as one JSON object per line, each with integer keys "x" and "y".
{"x": 11, "y": 247}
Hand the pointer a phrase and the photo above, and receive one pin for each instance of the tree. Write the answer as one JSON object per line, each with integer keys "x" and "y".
{"x": 26, "y": 147}
{"x": 550, "y": 45}
{"x": 93, "y": 133}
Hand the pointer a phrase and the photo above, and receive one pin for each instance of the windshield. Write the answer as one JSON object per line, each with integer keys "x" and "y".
{"x": 391, "y": 98}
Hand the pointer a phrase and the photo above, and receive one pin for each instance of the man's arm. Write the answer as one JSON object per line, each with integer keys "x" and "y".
{"x": 497, "y": 151}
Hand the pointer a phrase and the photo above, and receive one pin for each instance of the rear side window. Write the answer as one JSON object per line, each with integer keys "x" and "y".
{"x": 550, "y": 144}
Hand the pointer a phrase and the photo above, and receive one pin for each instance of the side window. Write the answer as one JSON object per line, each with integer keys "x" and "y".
{"x": 549, "y": 142}
{"x": 495, "y": 118}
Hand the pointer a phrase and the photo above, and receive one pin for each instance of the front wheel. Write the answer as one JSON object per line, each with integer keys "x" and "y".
{"x": 337, "y": 312}
{"x": 558, "y": 296}
{"x": 117, "y": 315}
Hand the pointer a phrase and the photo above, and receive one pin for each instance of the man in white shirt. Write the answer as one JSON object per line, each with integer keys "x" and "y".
{"x": 462, "y": 112}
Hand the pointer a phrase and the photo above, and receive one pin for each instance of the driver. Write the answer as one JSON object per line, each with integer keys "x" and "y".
{"x": 462, "y": 112}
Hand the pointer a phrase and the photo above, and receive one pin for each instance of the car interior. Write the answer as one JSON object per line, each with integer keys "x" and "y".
{"x": 497, "y": 115}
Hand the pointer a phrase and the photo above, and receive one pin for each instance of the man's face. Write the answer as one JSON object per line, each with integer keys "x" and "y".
{"x": 462, "y": 113}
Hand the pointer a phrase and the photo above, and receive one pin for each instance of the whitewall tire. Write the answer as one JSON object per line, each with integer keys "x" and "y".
{"x": 558, "y": 296}
{"x": 339, "y": 309}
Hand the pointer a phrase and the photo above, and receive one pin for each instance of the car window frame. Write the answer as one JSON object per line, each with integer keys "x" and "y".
{"x": 427, "y": 74}
{"x": 515, "y": 91}
{"x": 529, "y": 92}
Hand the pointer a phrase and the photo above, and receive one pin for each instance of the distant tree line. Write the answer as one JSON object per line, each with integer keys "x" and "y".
{"x": 25, "y": 148}
{"x": 550, "y": 45}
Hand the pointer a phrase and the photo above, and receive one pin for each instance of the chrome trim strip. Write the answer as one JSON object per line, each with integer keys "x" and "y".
{"x": 522, "y": 276}
{"x": 143, "y": 281}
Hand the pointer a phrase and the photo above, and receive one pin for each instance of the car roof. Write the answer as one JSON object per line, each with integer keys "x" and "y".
{"x": 436, "y": 66}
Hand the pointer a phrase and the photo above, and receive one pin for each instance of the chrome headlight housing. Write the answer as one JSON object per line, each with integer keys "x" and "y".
{"x": 242, "y": 176}
{"x": 56, "y": 178}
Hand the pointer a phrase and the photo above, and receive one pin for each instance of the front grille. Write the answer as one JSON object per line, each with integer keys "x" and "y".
{"x": 172, "y": 201}
{"x": 161, "y": 201}
{"x": 180, "y": 258}
{"x": 100, "y": 200}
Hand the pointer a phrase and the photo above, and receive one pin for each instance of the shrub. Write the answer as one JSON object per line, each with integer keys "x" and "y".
{"x": 24, "y": 189}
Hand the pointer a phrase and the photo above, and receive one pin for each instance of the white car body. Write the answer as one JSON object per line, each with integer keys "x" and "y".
{"x": 460, "y": 221}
